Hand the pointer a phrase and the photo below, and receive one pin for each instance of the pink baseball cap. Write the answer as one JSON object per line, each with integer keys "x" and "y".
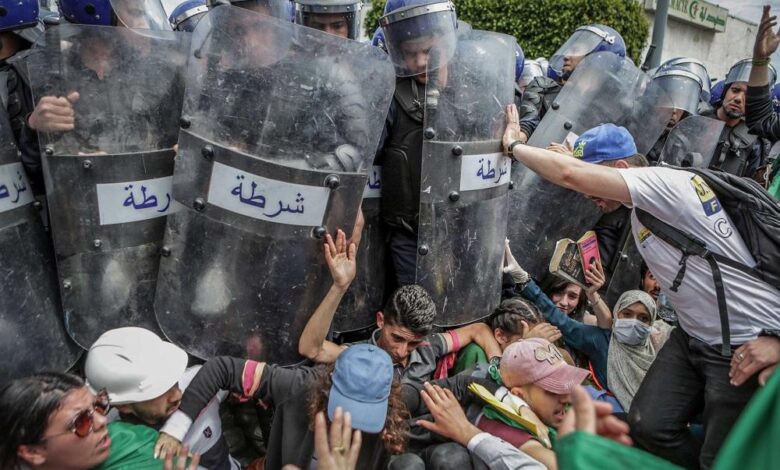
{"x": 537, "y": 361}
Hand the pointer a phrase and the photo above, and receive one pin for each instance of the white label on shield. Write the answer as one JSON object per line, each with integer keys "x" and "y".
{"x": 374, "y": 183}
{"x": 266, "y": 199}
{"x": 484, "y": 171}
{"x": 133, "y": 201}
{"x": 15, "y": 190}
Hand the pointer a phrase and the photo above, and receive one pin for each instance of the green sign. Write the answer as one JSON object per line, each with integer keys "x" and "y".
{"x": 698, "y": 12}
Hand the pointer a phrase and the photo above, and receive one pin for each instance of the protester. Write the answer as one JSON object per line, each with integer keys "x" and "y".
{"x": 690, "y": 370}
{"x": 144, "y": 377}
{"x": 514, "y": 319}
{"x": 534, "y": 371}
{"x": 403, "y": 328}
{"x": 53, "y": 420}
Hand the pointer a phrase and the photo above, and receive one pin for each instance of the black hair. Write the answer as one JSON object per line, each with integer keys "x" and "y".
{"x": 509, "y": 313}
{"x": 643, "y": 269}
{"x": 556, "y": 285}
{"x": 26, "y": 405}
{"x": 411, "y": 307}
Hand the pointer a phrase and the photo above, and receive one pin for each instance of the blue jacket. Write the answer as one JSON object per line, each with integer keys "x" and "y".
{"x": 590, "y": 340}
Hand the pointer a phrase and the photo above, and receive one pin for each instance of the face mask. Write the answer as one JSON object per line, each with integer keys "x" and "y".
{"x": 630, "y": 332}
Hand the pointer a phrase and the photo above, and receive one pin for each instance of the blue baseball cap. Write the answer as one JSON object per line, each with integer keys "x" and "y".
{"x": 361, "y": 386}
{"x": 604, "y": 143}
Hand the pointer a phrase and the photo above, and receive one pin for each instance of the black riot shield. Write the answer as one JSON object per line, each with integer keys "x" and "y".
{"x": 465, "y": 178}
{"x": 604, "y": 88}
{"x": 692, "y": 142}
{"x": 279, "y": 128}
{"x": 32, "y": 333}
{"x": 109, "y": 179}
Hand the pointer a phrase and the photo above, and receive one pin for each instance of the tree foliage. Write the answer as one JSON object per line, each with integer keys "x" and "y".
{"x": 541, "y": 26}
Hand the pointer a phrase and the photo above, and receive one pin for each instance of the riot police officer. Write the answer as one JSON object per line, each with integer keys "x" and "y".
{"x": 738, "y": 152}
{"x": 411, "y": 28}
{"x": 541, "y": 93}
{"x": 32, "y": 333}
{"x": 19, "y": 29}
{"x": 686, "y": 91}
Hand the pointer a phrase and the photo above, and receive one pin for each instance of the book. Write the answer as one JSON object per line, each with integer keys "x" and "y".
{"x": 566, "y": 262}
{"x": 589, "y": 248}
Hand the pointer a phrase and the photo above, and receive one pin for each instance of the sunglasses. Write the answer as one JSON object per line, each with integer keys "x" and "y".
{"x": 84, "y": 422}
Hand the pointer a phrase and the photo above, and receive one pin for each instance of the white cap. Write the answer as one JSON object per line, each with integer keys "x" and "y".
{"x": 133, "y": 365}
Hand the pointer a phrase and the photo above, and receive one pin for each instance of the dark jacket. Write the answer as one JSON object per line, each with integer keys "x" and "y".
{"x": 287, "y": 390}
{"x": 590, "y": 340}
{"x": 760, "y": 116}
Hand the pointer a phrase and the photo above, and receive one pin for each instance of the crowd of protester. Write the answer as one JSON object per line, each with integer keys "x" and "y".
{"x": 555, "y": 377}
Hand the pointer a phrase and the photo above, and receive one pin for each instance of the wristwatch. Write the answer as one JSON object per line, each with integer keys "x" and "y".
{"x": 513, "y": 144}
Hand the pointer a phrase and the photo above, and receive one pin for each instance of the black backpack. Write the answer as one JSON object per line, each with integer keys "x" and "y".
{"x": 755, "y": 215}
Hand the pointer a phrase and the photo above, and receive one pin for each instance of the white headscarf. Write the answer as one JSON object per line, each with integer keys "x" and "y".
{"x": 627, "y": 365}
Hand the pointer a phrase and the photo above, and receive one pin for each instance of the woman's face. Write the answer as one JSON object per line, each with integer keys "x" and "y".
{"x": 62, "y": 448}
{"x": 567, "y": 299}
{"x": 636, "y": 311}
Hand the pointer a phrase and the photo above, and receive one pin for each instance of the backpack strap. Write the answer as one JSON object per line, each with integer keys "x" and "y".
{"x": 690, "y": 245}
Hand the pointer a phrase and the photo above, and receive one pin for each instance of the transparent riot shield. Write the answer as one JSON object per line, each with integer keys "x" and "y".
{"x": 32, "y": 332}
{"x": 465, "y": 178}
{"x": 604, "y": 88}
{"x": 279, "y": 128}
{"x": 109, "y": 179}
{"x": 692, "y": 142}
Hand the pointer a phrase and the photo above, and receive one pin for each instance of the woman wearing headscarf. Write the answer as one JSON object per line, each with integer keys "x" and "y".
{"x": 637, "y": 336}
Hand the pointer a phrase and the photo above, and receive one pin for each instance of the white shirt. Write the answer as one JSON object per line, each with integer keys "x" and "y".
{"x": 684, "y": 201}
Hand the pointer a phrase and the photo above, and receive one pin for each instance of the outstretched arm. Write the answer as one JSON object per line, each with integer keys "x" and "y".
{"x": 587, "y": 178}
{"x": 341, "y": 262}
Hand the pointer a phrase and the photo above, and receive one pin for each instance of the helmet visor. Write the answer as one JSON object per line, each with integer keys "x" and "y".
{"x": 531, "y": 70}
{"x": 581, "y": 43}
{"x": 411, "y": 33}
{"x": 141, "y": 14}
{"x": 682, "y": 87}
{"x": 740, "y": 72}
{"x": 338, "y": 20}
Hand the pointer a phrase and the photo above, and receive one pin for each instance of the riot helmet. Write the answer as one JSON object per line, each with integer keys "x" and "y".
{"x": 136, "y": 14}
{"x": 531, "y": 70}
{"x": 133, "y": 365}
{"x": 337, "y": 17}
{"x": 281, "y": 9}
{"x": 740, "y": 72}
{"x": 24, "y": 14}
{"x": 378, "y": 39}
{"x": 585, "y": 41}
{"x": 776, "y": 98}
{"x": 683, "y": 87}
{"x": 187, "y": 15}
{"x": 412, "y": 28}
{"x": 519, "y": 62}
{"x": 691, "y": 65}
{"x": 716, "y": 93}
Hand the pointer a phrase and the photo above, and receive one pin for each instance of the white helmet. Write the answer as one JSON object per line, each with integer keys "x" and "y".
{"x": 133, "y": 365}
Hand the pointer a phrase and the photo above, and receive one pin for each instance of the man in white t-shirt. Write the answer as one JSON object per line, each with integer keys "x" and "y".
{"x": 689, "y": 376}
{"x": 144, "y": 377}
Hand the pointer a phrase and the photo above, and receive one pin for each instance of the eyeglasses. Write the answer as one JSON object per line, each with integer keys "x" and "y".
{"x": 84, "y": 422}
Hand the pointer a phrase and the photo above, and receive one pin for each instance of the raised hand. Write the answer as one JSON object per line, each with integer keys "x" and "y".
{"x": 766, "y": 39}
{"x": 341, "y": 259}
